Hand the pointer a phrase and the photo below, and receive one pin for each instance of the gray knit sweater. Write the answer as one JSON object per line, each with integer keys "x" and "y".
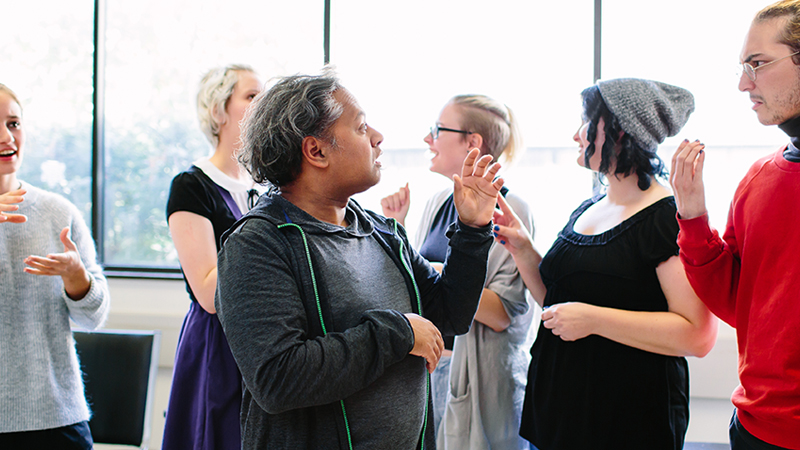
{"x": 40, "y": 381}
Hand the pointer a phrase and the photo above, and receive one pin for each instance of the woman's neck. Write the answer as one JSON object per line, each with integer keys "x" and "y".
{"x": 8, "y": 183}
{"x": 319, "y": 206}
{"x": 625, "y": 191}
{"x": 224, "y": 160}
{"x": 315, "y": 195}
{"x": 622, "y": 201}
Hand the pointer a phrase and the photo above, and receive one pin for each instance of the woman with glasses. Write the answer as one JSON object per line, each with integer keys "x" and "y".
{"x": 49, "y": 276}
{"x": 478, "y": 390}
{"x": 608, "y": 368}
{"x": 204, "y": 201}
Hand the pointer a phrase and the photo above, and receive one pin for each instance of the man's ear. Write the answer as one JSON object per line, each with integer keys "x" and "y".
{"x": 315, "y": 151}
{"x": 475, "y": 140}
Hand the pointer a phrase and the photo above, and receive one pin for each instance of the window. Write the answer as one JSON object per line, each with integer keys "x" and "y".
{"x": 402, "y": 61}
{"x": 156, "y": 53}
{"x": 673, "y": 51}
{"x": 403, "y": 71}
{"x": 47, "y": 61}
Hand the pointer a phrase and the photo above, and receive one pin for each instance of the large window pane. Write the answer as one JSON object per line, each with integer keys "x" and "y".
{"x": 156, "y": 54}
{"x": 403, "y": 61}
{"x": 46, "y": 58}
{"x": 698, "y": 51}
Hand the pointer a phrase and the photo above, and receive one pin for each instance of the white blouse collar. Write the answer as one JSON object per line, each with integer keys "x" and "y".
{"x": 220, "y": 178}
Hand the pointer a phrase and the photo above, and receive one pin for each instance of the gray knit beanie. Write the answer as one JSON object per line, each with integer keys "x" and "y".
{"x": 648, "y": 111}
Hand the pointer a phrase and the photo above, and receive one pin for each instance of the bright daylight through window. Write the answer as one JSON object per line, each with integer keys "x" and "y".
{"x": 402, "y": 62}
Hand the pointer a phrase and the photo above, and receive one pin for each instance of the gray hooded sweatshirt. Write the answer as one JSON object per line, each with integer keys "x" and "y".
{"x": 314, "y": 315}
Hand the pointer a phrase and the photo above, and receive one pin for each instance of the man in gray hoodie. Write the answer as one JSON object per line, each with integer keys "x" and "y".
{"x": 331, "y": 316}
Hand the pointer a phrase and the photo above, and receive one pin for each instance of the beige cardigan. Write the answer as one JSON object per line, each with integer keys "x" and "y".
{"x": 486, "y": 393}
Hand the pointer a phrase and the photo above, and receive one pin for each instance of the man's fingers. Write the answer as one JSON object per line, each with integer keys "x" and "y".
{"x": 469, "y": 162}
{"x": 428, "y": 340}
{"x": 491, "y": 172}
{"x": 483, "y": 166}
{"x": 498, "y": 183}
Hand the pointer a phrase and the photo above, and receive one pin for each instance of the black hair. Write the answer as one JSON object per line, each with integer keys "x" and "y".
{"x": 280, "y": 118}
{"x": 619, "y": 147}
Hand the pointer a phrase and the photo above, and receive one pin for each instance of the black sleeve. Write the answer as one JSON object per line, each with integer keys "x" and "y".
{"x": 188, "y": 193}
{"x": 659, "y": 234}
{"x": 450, "y": 300}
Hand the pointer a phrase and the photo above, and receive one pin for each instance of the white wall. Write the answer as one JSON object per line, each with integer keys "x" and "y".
{"x": 150, "y": 305}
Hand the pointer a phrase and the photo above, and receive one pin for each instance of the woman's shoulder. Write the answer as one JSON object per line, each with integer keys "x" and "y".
{"x": 660, "y": 208}
{"x": 191, "y": 177}
{"x": 655, "y": 226}
{"x": 439, "y": 197}
{"x": 659, "y": 211}
{"x": 193, "y": 192}
{"x": 192, "y": 180}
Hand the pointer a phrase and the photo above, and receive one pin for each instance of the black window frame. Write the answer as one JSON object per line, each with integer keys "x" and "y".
{"x": 98, "y": 138}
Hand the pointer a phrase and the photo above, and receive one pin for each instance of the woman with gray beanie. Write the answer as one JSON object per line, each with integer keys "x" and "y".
{"x": 608, "y": 368}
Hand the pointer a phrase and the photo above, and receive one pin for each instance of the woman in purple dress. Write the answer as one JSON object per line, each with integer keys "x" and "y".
{"x": 204, "y": 201}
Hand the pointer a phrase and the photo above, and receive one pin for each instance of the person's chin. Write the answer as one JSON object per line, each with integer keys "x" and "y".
{"x": 435, "y": 168}
{"x": 766, "y": 119}
{"x": 376, "y": 178}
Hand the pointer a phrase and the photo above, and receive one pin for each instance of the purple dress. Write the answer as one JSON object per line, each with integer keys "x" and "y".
{"x": 205, "y": 400}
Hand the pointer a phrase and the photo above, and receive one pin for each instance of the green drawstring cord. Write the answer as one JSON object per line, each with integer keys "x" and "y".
{"x": 311, "y": 268}
{"x": 419, "y": 309}
{"x": 319, "y": 311}
{"x": 324, "y": 331}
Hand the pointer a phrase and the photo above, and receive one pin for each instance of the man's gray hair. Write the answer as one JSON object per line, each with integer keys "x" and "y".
{"x": 216, "y": 89}
{"x": 280, "y": 118}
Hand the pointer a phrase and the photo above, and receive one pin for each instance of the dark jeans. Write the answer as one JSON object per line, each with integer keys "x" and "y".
{"x": 70, "y": 437}
{"x": 741, "y": 439}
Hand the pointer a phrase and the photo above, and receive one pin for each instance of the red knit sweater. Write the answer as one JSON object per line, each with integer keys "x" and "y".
{"x": 751, "y": 279}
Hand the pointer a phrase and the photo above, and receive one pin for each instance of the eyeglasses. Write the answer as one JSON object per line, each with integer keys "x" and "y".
{"x": 436, "y": 129}
{"x": 750, "y": 71}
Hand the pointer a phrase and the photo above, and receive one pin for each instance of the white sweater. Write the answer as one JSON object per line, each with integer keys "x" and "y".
{"x": 40, "y": 380}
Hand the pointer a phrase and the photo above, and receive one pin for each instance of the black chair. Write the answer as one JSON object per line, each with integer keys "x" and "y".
{"x": 119, "y": 372}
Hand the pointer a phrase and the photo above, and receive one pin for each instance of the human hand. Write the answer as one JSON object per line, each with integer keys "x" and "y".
{"x": 8, "y": 203}
{"x": 428, "y": 342}
{"x": 67, "y": 265}
{"x": 570, "y": 321}
{"x": 396, "y": 205}
{"x": 475, "y": 191}
{"x": 509, "y": 230}
{"x": 686, "y": 178}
